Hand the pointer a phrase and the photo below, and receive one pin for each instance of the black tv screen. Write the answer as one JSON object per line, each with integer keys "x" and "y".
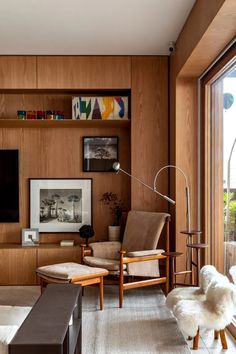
{"x": 9, "y": 185}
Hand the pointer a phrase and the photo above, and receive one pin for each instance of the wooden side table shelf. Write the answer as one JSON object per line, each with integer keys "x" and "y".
{"x": 172, "y": 256}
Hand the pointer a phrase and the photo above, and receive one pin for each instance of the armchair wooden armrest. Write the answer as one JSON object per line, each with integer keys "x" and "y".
{"x": 85, "y": 251}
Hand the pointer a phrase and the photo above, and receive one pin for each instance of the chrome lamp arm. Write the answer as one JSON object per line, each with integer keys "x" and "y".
{"x": 117, "y": 168}
{"x": 187, "y": 192}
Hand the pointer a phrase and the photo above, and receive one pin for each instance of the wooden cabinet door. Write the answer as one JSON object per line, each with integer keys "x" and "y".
{"x": 51, "y": 255}
{"x": 84, "y": 72}
{"x": 17, "y": 72}
{"x": 17, "y": 266}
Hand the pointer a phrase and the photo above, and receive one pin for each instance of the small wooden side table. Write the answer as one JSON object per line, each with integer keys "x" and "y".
{"x": 198, "y": 247}
{"x": 172, "y": 256}
{"x": 189, "y": 256}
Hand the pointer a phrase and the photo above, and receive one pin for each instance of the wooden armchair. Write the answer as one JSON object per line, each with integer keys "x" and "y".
{"x": 138, "y": 255}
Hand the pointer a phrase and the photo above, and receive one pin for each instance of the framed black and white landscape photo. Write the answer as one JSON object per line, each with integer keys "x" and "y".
{"x": 60, "y": 205}
{"x": 99, "y": 153}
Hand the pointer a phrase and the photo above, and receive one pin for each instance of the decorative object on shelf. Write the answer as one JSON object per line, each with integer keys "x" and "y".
{"x": 67, "y": 243}
{"x": 21, "y": 115}
{"x": 50, "y": 115}
{"x": 59, "y": 115}
{"x": 41, "y": 115}
{"x": 106, "y": 107}
{"x": 86, "y": 231}
{"x": 60, "y": 205}
{"x": 30, "y": 237}
{"x": 31, "y": 115}
{"x": 99, "y": 153}
{"x": 116, "y": 207}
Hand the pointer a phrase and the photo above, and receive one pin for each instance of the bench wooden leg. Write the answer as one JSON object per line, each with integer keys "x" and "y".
{"x": 101, "y": 293}
{"x": 216, "y": 335}
{"x": 223, "y": 339}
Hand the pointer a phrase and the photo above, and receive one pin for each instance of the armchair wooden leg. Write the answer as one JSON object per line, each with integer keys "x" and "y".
{"x": 223, "y": 339}
{"x": 196, "y": 341}
{"x": 216, "y": 335}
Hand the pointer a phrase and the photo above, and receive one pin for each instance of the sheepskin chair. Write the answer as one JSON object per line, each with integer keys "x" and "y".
{"x": 216, "y": 312}
{"x": 206, "y": 275}
{"x": 232, "y": 272}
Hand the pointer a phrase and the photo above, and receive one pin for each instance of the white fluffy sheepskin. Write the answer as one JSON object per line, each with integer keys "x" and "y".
{"x": 207, "y": 274}
{"x": 232, "y": 272}
{"x": 215, "y": 312}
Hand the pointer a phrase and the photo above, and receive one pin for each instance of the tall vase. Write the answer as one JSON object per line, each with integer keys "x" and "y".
{"x": 114, "y": 233}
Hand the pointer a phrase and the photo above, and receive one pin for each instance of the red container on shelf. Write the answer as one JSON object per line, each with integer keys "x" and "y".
{"x": 40, "y": 114}
{"x": 31, "y": 115}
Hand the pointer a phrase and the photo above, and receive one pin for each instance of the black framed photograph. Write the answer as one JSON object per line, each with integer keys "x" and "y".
{"x": 30, "y": 237}
{"x": 99, "y": 153}
{"x": 60, "y": 205}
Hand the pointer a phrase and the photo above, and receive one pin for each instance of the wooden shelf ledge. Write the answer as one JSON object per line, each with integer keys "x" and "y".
{"x": 66, "y": 123}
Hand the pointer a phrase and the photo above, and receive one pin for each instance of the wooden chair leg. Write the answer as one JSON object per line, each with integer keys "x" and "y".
{"x": 101, "y": 293}
{"x": 196, "y": 341}
{"x": 216, "y": 335}
{"x": 223, "y": 339}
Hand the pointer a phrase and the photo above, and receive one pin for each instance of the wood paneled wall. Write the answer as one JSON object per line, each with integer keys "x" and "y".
{"x": 83, "y": 72}
{"x": 57, "y": 152}
{"x": 18, "y": 72}
{"x": 149, "y": 130}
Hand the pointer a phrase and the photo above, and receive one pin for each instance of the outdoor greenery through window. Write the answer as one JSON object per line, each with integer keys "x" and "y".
{"x": 229, "y": 165}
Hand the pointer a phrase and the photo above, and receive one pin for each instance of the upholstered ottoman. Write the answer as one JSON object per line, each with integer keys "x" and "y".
{"x": 73, "y": 273}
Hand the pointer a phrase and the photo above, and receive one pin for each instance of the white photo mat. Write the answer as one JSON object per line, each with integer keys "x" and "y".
{"x": 60, "y": 205}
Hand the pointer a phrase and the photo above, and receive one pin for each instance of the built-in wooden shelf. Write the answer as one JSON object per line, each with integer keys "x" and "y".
{"x": 66, "y": 123}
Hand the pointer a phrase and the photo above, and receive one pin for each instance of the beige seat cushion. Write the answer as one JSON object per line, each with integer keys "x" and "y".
{"x": 145, "y": 253}
{"x": 69, "y": 270}
{"x": 109, "y": 264}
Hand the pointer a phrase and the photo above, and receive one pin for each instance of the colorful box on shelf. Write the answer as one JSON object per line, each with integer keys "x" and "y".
{"x": 106, "y": 107}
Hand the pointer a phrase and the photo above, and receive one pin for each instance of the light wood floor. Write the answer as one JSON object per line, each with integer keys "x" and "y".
{"x": 207, "y": 344}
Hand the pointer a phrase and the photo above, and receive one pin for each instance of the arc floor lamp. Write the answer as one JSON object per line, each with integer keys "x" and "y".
{"x": 117, "y": 168}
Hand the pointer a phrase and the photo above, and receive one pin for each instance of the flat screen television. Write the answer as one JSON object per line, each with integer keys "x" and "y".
{"x": 9, "y": 185}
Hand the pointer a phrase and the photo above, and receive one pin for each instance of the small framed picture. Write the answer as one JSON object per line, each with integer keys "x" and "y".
{"x": 30, "y": 237}
{"x": 100, "y": 153}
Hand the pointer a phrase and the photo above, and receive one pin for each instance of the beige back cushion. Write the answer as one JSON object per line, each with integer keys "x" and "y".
{"x": 143, "y": 230}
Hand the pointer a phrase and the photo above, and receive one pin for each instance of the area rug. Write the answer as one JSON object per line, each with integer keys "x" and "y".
{"x": 143, "y": 325}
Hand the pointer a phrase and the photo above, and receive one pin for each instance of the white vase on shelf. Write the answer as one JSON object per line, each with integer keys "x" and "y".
{"x": 114, "y": 233}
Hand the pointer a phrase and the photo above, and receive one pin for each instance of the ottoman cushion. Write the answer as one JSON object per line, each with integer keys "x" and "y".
{"x": 70, "y": 270}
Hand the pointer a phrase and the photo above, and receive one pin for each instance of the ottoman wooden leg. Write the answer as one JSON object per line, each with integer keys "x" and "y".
{"x": 101, "y": 292}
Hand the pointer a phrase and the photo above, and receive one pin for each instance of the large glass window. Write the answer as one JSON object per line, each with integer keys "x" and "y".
{"x": 219, "y": 162}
